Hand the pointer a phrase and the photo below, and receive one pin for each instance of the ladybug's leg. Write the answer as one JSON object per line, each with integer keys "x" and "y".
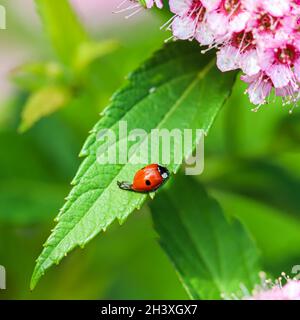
{"x": 124, "y": 185}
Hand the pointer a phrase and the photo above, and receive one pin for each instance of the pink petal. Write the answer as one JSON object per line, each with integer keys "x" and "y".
{"x": 183, "y": 28}
{"x": 159, "y": 4}
{"x": 284, "y": 91}
{"x": 149, "y": 4}
{"x": 180, "y": 7}
{"x": 249, "y": 62}
{"x": 239, "y": 22}
{"x": 251, "y": 5}
{"x": 277, "y": 8}
{"x": 204, "y": 35}
{"x": 297, "y": 69}
{"x": 280, "y": 75}
{"x": 227, "y": 58}
{"x": 291, "y": 290}
{"x": 258, "y": 89}
{"x": 218, "y": 23}
{"x": 211, "y": 4}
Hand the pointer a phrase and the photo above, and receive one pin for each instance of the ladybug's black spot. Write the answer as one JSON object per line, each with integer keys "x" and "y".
{"x": 148, "y": 182}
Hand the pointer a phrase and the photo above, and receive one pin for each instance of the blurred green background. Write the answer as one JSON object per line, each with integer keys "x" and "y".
{"x": 252, "y": 166}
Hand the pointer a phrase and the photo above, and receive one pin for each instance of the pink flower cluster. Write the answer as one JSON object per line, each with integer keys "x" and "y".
{"x": 269, "y": 290}
{"x": 260, "y": 37}
{"x": 290, "y": 291}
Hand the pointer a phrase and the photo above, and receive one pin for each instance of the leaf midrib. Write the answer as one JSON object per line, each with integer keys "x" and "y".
{"x": 143, "y": 97}
{"x": 117, "y": 142}
{"x": 199, "y": 76}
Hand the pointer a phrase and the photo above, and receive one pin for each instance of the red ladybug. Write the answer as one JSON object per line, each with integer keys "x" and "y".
{"x": 148, "y": 179}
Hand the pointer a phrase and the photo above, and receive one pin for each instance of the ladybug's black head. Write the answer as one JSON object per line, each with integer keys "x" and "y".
{"x": 164, "y": 172}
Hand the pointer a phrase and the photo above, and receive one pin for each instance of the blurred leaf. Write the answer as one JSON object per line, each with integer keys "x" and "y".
{"x": 287, "y": 134}
{"x": 149, "y": 276}
{"x": 248, "y": 133}
{"x": 165, "y": 13}
{"x": 24, "y": 202}
{"x": 88, "y": 52}
{"x": 177, "y": 88}
{"x": 260, "y": 179}
{"x": 63, "y": 28}
{"x": 290, "y": 161}
{"x": 21, "y": 159}
{"x": 47, "y": 153}
{"x": 212, "y": 256}
{"x": 33, "y": 76}
{"x": 276, "y": 233}
{"x": 59, "y": 145}
{"x": 10, "y": 111}
{"x": 42, "y": 103}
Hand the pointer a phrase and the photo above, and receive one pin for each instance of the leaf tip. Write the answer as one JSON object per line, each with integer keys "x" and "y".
{"x": 36, "y": 275}
{"x": 83, "y": 153}
{"x": 152, "y": 195}
{"x": 121, "y": 220}
{"x": 23, "y": 127}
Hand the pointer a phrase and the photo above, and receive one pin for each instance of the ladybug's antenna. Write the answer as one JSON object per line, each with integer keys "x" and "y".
{"x": 124, "y": 185}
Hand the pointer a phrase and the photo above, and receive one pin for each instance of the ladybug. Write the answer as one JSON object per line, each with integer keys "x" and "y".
{"x": 147, "y": 179}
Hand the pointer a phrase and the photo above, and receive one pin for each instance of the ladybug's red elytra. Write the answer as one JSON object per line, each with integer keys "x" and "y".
{"x": 147, "y": 179}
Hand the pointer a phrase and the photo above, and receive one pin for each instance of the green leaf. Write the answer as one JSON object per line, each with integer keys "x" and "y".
{"x": 42, "y": 103}
{"x": 33, "y": 76}
{"x": 88, "y": 52}
{"x": 25, "y": 202}
{"x": 32, "y": 166}
{"x": 276, "y": 249}
{"x": 261, "y": 179}
{"x": 177, "y": 88}
{"x": 62, "y": 26}
{"x": 143, "y": 3}
{"x": 212, "y": 255}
